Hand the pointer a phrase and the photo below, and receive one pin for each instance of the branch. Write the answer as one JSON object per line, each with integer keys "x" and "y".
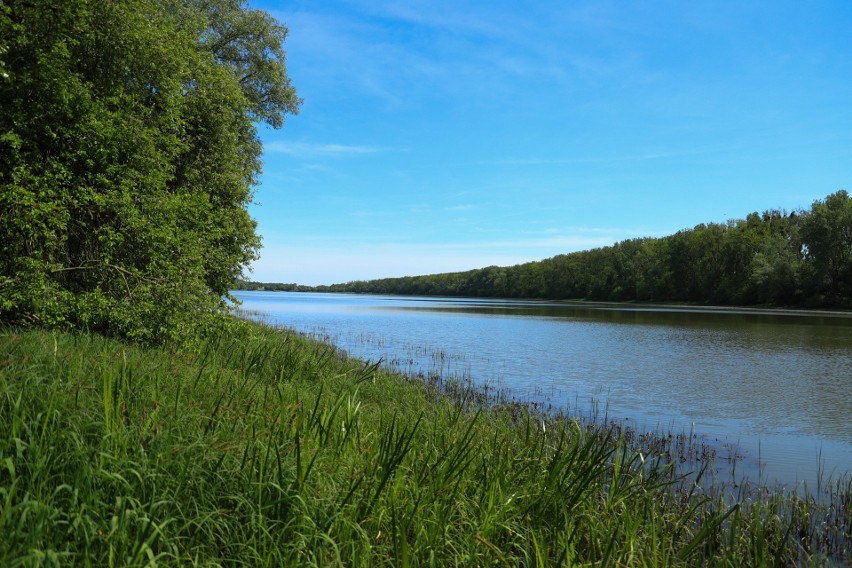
{"x": 123, "y": 272}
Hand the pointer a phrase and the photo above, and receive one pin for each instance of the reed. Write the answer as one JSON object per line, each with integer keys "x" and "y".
{"x": 265, "y": 447}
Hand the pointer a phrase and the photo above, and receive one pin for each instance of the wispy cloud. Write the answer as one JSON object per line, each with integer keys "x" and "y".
{"x": 539, "y": 246}
{"x": 637, "y": 157}
{"x": 617, "y": 233}
{"x": 320, "y": 264}
{"x": 450, "y": 18}
{"x": 567, "y": 242}
{"x": 315, "y": 150}
{"x": 447, "y": 51}
{"x": 322, "y": 259}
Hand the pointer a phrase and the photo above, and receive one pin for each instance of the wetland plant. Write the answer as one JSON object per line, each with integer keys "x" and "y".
{"x": 268, "y": 448}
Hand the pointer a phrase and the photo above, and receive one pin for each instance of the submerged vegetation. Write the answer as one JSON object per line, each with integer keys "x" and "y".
{"x": 263, "y": 447}
{"x": 775, "y": 258}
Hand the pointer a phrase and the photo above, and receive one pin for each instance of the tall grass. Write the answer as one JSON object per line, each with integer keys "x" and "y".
{"x": 267, "y": 448}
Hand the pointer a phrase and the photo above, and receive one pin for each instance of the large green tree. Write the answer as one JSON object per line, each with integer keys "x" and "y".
{"x": 128, "y": 155}
{"x": 827, "y": 239}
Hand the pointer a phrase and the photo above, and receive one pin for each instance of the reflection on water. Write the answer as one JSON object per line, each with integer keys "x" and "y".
{"x": 778, "y": 385}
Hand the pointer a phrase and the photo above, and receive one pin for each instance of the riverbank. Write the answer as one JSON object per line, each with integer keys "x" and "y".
{"x": 770, "y": 386}
{"x": 634, "y": 304}
{"x": 265, "y": 447}
{"x": 682, "y": 306}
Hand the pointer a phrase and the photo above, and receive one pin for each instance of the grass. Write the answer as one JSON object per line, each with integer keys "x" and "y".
{"x": 266, "y": 448}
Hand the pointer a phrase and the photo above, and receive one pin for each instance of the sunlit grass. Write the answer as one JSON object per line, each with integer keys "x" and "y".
{"x": 267, "y": 448}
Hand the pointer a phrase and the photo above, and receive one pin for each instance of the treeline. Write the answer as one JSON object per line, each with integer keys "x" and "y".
{"x": 273, "y": 286}
{"x": 801, "y": 258}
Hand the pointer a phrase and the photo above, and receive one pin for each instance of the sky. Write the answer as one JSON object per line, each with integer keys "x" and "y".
{"x": 450, "y": 135}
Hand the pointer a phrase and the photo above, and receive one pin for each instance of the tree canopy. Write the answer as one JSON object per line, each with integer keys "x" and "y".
{"x": 128, "y": 155}
{"x": 801, "y": 258}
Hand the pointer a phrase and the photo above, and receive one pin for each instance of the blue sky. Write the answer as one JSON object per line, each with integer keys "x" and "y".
{"x": 444, "y": 136}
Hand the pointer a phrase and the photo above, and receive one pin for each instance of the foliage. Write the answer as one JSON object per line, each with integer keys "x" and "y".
{"x": 827, "y": 248}
{"x": 271, "y": 286}
{"x": 781, "y": 259}
{"x": 128, "y": 154}
{"x": 264, "y": 448}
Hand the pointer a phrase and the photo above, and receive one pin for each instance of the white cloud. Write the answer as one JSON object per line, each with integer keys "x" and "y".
{"x": 314, "y": 150}
{"x": 329, "y": 260}
{"x": 320, "y": 265}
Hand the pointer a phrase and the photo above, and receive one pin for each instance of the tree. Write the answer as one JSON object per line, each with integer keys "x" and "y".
{"x": 128, "y": 154}
{"x": 827, "y": 245}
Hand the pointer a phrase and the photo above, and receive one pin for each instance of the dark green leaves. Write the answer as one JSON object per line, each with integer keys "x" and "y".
{"x": 127, "y": 159}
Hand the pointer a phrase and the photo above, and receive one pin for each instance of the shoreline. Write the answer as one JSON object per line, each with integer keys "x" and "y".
{"x": 287, "y": 450}
{"x": 787, "y": 454}
{"x": 652, "y": 305}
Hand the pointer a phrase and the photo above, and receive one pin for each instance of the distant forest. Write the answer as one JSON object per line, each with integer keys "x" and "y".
{"x": 801, "y": 258}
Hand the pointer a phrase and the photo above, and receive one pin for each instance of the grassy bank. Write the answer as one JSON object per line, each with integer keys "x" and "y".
{"x": 266, "y": 448}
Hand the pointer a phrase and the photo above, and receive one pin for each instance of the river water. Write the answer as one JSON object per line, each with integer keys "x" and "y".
{"x": 774, "y": 386}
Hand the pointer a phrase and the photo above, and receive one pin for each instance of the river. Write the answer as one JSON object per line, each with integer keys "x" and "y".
{"x": 773, "y": 387}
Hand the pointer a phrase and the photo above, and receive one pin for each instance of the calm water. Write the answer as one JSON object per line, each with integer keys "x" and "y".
{"x": 776, "y": 386}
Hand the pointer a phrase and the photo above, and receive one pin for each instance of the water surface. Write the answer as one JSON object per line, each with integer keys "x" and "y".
{"x": 777, "y": 386}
